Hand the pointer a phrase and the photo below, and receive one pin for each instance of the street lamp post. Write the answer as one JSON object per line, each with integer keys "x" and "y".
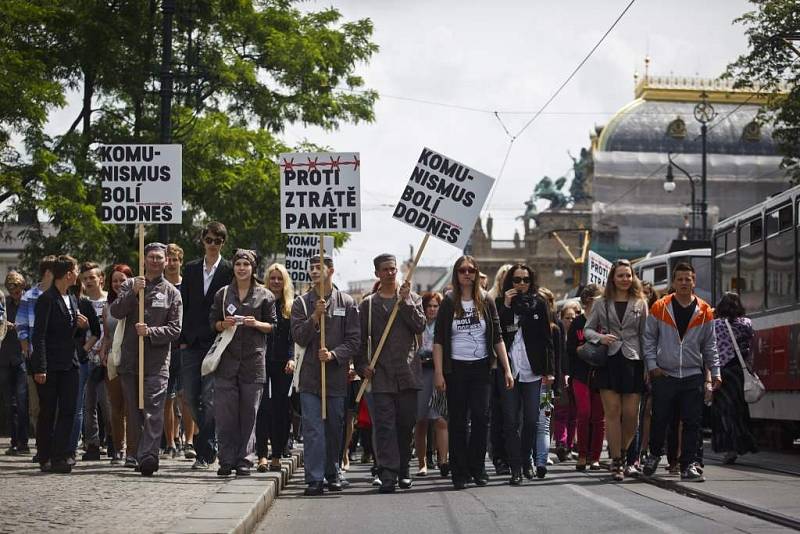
{"x": 669, "y": 187}
{"x": 168, "y": 10}
{"x": 704, "y": 113}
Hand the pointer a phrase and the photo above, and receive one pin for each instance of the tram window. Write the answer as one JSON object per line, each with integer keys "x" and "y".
{"x": 660, "y": 275}
{"x": 751, "y": 270}
{"x": 779, "y": 220}
{"x": 781, "y": 275}
{"x": 751, "y": 232}
{"x": 725, "y": 274}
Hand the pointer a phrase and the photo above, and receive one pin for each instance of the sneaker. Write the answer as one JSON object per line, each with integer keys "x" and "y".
{"x": 92, "y": 454}
{"x": 541, "y": 471}
{"x": 527, "y": 471}
{"x": 692, "y": 475}
{"x": 650, "y": 465}
{"x": 376, "y": 481}
{"x": 131, "y": 462}
{"x": 562, "y": 453}
{"x": 200, "y": 464}
{"x": 632, "y": 471}
{"x": 549, "y": 461}
{"x": 169, "y": 453}
{"x": 188, "y": 452}
{"x": 118, "y": 458}
{"x": 11, "y": 451}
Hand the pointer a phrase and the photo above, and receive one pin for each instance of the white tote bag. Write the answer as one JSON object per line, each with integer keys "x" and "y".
{"x": 753, "y": 387}
{"x": 299, "y": 352}
{"x": 214, "y": 354}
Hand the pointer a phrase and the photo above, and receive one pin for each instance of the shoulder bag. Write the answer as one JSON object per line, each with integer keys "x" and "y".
{"x": 214, "y": 354}
{"x": 753, "y": 386}
{"x": 299, "y": 352}
{"x": 595, "y": 354}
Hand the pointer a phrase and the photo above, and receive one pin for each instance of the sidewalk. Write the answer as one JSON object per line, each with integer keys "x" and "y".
{"x": 766, "y": 485}
{"x": 99, "y": 497}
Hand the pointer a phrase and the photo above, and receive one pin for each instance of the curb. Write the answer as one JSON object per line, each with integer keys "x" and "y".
{"x": 239, "y": 505}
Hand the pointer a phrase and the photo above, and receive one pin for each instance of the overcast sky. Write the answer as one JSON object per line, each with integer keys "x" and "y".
{"x": 508, "y": 56}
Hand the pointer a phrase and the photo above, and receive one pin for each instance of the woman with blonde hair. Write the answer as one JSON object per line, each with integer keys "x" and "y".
{"x": 273, "y": 412}
{"x": 617, "y": 321}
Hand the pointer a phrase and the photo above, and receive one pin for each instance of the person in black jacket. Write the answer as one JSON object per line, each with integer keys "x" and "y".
{"x": 54, "y": 364}
{"x": 202, "y": 278}
{"x": 273, "y": 413}
{"x": 525, "y": 321}
{"x": 13, "y": 371}
{"x": 467, "y": 345}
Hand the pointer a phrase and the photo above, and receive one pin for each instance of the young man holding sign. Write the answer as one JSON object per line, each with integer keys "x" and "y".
{"x": 322, "y": 438}
{"x": 161, "y": 328}
{"x": 396, "y": 378}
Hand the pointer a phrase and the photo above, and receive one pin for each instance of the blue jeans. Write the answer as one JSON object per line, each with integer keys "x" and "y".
{"x": 322, "y": 440}
{"x": 198, "y": 391}
{"x": 520, "y": 416}
{"x": 77, "y": 423}
{"x": 14, "y": 390}
{"x": 542, "y": 437}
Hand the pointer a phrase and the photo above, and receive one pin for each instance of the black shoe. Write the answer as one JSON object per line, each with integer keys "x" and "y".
{"x": 243, "y": 471}
{"x": 224, "y": 471}
{"x": 92, "y": 454}
{"x": 314, "y": 489}
{"x": 444, "y": 470}
{"x": 405, "y": 482}
{"x": 45, "y": 467}
{"x": 131, "y": 462}
{"x": 35, "y": 458}
{"x": 148, "y": 466}
{"x": 200, "y": 464}
{"x": 502, "y": 469}
{"x": 562, "y": 453}
{"x": 516, "y": 478}
{"x": 650, "y": 465}
{"x": 62, "y": 467}
{"x": 528, "y": 472}
{"x": 481, "y": 479}
{"x": 580, "y": 467}
{"x": 387, "y": 485}
{"x": 23, "y": 451}
{"x": 334, "y": 484}
{"x": 459, "y": 483}
{"x": 541, "y": 471}
{"x": 12, "y": 451}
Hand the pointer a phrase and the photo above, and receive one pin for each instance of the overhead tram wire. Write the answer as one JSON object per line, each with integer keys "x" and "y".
{"x": 550, "y": 100}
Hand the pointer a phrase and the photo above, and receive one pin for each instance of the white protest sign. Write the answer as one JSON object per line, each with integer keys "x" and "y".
{"x": 443, "y": 198}
{"x": 141, "y": 183}
{"x": 298, "y": 249}
{"x": 596, "y": 269}
{"x": 320, "y": 192}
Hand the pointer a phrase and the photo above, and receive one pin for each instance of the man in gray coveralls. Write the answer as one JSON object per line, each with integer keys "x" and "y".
{"x": 161, "y": 327}
{"x": 397, "y": 376}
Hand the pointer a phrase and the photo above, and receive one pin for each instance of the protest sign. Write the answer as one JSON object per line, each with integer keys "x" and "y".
{"x": 443, "y": 198}
{"x": 320, "y": 192}
{"x": 596, "y": 269}
{"x": 300, "y": 247}
{"x": 140, "y": 184}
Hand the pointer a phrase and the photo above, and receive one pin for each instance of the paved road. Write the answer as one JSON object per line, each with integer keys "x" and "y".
{"x": 566, "y": 501}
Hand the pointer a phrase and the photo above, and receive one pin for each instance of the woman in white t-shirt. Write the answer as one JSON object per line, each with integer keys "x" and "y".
{"x": 467, "y": 345}
{"x": 525, "y": 321}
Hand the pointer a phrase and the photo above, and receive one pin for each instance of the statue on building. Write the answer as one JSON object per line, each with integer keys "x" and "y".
{"x": 529, "y": 214}
{"x": 547, "y": 189}
{"x": 581, "y": 169}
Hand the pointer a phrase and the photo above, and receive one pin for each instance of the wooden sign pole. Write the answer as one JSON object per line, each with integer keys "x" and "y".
{"x": 392, "y": 317}
{"x": 141, "y": 318}
{"x": 323, "y": 365}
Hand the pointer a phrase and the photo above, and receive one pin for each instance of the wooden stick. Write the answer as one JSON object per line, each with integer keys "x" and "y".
{"x": 141, "y": 319}
{"x": 392, "y": 317}
{"x": 323, "y": 365}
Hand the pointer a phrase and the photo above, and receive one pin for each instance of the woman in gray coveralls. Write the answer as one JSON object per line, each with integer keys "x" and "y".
{"x": 241, "y": 374}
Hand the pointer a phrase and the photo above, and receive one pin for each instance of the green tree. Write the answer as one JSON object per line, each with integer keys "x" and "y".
{"x": 773, "y": 64}
{"x": 243, "y": 70}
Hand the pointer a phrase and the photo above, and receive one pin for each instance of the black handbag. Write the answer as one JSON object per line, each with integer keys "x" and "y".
{"x": 595, "y": 354}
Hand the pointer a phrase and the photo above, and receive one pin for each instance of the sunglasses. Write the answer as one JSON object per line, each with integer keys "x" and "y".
{"x": 521, "y": 279}
{"x": 467, "y": 270}
{"x": 214, "y": 241}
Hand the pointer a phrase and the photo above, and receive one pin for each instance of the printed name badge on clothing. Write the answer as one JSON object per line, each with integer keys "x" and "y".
{"x": 231, "y": 309}
{"x": 159, "y": 300}
{"x": 339, "y": 312}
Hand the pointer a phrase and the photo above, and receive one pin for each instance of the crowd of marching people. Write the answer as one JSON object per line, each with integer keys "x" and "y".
{"x": 237, "y": 367}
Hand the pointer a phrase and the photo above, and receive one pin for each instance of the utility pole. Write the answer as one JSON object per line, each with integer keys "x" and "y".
{"x": 167, "y": 11}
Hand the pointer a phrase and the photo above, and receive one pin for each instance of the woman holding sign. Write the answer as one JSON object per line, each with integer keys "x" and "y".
{"x": 239, "y": 378}
{"x": 467, "y": 345}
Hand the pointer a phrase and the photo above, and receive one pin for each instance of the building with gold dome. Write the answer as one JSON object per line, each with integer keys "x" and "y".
{"x": 620, "y": 204}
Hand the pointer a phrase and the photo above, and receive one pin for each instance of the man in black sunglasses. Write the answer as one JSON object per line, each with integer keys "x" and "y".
{"x": 202, "y": 278}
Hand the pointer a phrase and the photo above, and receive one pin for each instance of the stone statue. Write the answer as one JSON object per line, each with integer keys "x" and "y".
{"x": 548, "y": 190}
{"x": 581, "y": 168}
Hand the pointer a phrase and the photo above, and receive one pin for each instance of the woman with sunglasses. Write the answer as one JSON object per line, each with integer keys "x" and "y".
{"x": 525, "y": 322}
{"x": 241, "y": 373}
{"x": 467, "y": 345}
{"x": 617, "y": 321}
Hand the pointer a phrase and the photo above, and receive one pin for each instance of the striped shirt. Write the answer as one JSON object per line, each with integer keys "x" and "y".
{"x": 25, "y": 314}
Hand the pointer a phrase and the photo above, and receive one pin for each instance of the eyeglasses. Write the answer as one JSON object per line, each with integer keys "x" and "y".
{"x": 214, "y": 241}
{"x": 521, "y": 279}
{"x": 467, "y": 270}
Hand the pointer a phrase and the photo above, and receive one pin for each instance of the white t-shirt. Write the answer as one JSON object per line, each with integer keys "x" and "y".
{"x": 469, "y": 334}
{"x": 68, "y": 303}
{"x": 520, "y": 365}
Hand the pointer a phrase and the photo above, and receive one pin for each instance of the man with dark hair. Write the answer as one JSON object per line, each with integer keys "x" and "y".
{"x": 161, "y": 328}
{"x": 322, "y": 439}
{"x": 13, "y": 371}
{"x": 26, "y": 316}
{"x": 54, "y": 363}
{"x": 202, "y": 278}
{"x": 679, "y": 343}
{"x": 395, "y": 380}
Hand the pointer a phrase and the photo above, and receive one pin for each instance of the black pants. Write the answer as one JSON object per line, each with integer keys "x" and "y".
{"x": 468, "y": 390}
{"x": 59, "y": 392}
{"x": 685, "y": 395}
{"x": 273, "y": 413}
{"x": 496, "y": 430}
